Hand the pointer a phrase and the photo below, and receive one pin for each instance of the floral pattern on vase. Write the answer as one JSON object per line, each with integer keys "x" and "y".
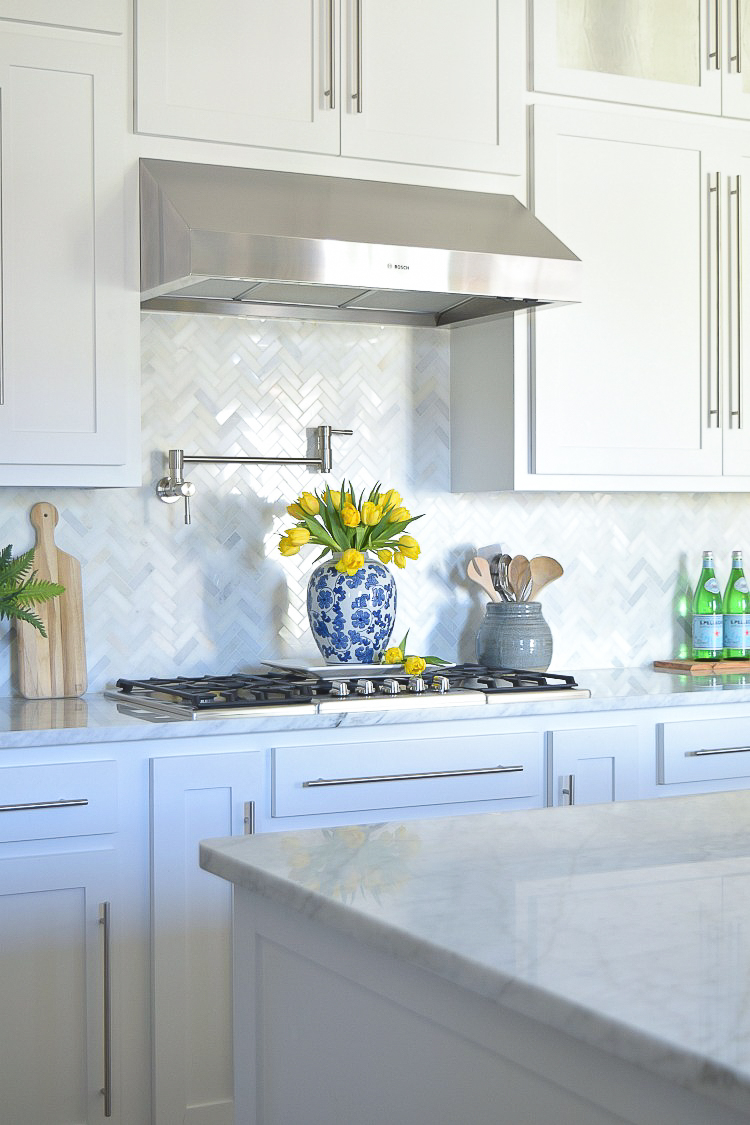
{"x": 351, "y": 618}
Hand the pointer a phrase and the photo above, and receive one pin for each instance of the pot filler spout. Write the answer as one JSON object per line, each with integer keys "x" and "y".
{"x": 256, "y": 243}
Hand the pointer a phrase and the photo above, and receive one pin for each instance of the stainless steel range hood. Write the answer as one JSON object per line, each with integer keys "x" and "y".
{"x": 254, "y": 243}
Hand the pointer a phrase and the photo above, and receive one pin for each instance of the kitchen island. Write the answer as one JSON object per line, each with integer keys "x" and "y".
{"x": 570, "y": 966}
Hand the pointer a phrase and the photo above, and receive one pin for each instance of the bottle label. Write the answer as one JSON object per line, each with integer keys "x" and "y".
{"x": 737, "y": 630}
{"x": 708, "y": 631}
{"x": 741, "y": 585}
{"x": 712, "y": 585}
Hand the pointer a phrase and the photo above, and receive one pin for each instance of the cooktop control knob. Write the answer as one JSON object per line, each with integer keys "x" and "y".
{"x": 440, "y": 684}
{"x": 339, "y": 688}
{"x": 417, "y": 684}
{"x": 390, "y": 687}
{"x": 365, "y": 687}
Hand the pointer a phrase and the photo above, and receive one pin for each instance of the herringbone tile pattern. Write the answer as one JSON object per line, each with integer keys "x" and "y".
{"x": 162, "y": 598}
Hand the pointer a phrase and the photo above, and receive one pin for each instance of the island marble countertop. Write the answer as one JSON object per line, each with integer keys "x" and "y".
{"x": 95, "y": 718}
{"x": 626, "y": 926}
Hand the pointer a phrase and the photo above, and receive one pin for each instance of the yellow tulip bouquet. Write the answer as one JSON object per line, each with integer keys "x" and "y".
{"x": 341, "y": 523}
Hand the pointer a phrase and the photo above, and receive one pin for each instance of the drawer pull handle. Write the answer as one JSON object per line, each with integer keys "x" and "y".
{"x": 719, "y": 750}
{"x": 45, "y": 805}
{"x": 320, "y": 781}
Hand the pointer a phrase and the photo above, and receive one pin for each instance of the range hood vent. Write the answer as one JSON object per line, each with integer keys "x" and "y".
{"x": 255, "y": 243}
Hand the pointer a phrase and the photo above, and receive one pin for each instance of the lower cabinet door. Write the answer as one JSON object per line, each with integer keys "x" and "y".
{"x": 194, "y": 798}
{"x": 593, "y": 766}
{"x": 56, "y": 1049}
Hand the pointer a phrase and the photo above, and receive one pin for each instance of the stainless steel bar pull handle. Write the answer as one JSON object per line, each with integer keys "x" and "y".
{"x": 357, "y": 95}
{"x": 718, "y": 750}
{"x": 714, "y": 43}
{"x": 105, "y": 922}
{"x": 330, "y": 93}
{"x": 569, "y": 789}
{"x": 322, "y": 781}
{"x": 62, "y": 804}
{"x": 248, "y": 818}
{"x": 735, "y": 38}
{"x": 714, "y": 305}
{"x": 737, "y": 404}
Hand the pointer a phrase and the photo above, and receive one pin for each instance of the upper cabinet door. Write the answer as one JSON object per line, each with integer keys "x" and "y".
{"x": 70, "y": 369}
{"x": 638, "y": 51}
{"x": 442, "y": 87}
{"x": 242, "y": 71}
{"x": 736, "y": 59}
{"x": 87, "y": 15}
{"x": 628, "y": 383}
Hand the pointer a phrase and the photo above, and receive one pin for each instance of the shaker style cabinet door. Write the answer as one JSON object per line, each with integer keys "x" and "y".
{"x": 439, "y": 86}
{"x": 686, "y": 54}
{"x": 56, "y": 1050}
{"x": 241, "y": 71}
{"x": 593, "y": 766}
{"x": 194, "y": 798}
{"x": 86, "y": 15}
{"x": 69, "y": 349}
{"x": 628, "y": 382}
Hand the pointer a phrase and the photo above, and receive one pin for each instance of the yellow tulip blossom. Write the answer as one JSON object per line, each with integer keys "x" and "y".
{"x": 296, "y": 511}
{"x": 351, "y": 561}
{"x": 414, "y": 665}
{"x": 399, "y": 559}
{"x": 371, "y": 513}
{"x": 409, "y": 546}
{"x": 298, "y": 536}
{"x": 385, "y": 555}
{"x": 399, "y": 515}
{"x": 349, "y": 515}
{"x": 390, "y": 499}
{"x": 309, "y": 504}
{"x": 286, "y": 547}
{"x": 393, "y": 656}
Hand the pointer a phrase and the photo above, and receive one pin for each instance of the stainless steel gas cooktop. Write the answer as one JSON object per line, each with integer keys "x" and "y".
{"x": 296, "y": 692}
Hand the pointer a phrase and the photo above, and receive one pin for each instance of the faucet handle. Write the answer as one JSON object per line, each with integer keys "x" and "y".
{"x": 174, "y": 487}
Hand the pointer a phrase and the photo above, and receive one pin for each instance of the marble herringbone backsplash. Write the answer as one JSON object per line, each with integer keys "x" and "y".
{"x": 162, "y": 598}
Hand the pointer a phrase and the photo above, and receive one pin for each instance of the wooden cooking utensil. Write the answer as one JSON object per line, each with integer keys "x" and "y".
{"x": 543, "y": 571}
{"x": 478, "y": 571}
{"x": 54, "y": 666}
{"x": 519, "y": 577}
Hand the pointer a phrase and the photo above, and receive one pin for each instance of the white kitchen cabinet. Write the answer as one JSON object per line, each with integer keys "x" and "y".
{"x": 70, "y": 367}
{"x": 592, "y": 765}
{"x": 642, "y": 385}
{"x": 687, "y": 54}
{"x": 88, "y": 15}
{"x": 341, "y": 77}
{"x": 704, "y": 754}
{"x": 59, "y": 909}
{"x": 192, "y": 798}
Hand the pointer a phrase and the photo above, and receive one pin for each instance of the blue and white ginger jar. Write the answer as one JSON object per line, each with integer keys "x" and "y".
{"x": 351, "y": 619}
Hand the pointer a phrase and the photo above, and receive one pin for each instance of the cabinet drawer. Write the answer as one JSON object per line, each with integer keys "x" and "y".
{"x": 65, "y": 799}
{"x": 709, "y": 750}
{"x": 385, "y": 775}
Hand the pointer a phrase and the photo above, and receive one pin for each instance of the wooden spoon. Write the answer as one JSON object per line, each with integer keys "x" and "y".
{"x": 543, "y": 571}
{"x": 478, "y": 571}
{"x": 519, "y": 577}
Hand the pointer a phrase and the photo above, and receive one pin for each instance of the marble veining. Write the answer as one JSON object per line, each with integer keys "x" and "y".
{"x": 625, "y": 926}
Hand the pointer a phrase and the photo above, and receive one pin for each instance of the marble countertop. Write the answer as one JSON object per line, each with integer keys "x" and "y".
{"x": 93, "y": 717}
{"x": 626, "y": 926}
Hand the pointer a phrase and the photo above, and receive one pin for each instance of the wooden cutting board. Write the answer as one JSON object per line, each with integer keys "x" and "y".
{"x": 54, "y": 666}
{"x": 702, "y": 667}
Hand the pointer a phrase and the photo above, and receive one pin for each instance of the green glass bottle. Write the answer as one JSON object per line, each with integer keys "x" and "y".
{"x": 736, "y": 608}
{"x": 708, "y": 621}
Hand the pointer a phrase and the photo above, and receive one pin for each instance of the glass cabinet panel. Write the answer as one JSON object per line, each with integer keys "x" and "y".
{"x": 633, "y": 38}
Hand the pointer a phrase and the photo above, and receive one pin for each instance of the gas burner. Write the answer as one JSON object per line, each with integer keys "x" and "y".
{"x": 300, "y": 693}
